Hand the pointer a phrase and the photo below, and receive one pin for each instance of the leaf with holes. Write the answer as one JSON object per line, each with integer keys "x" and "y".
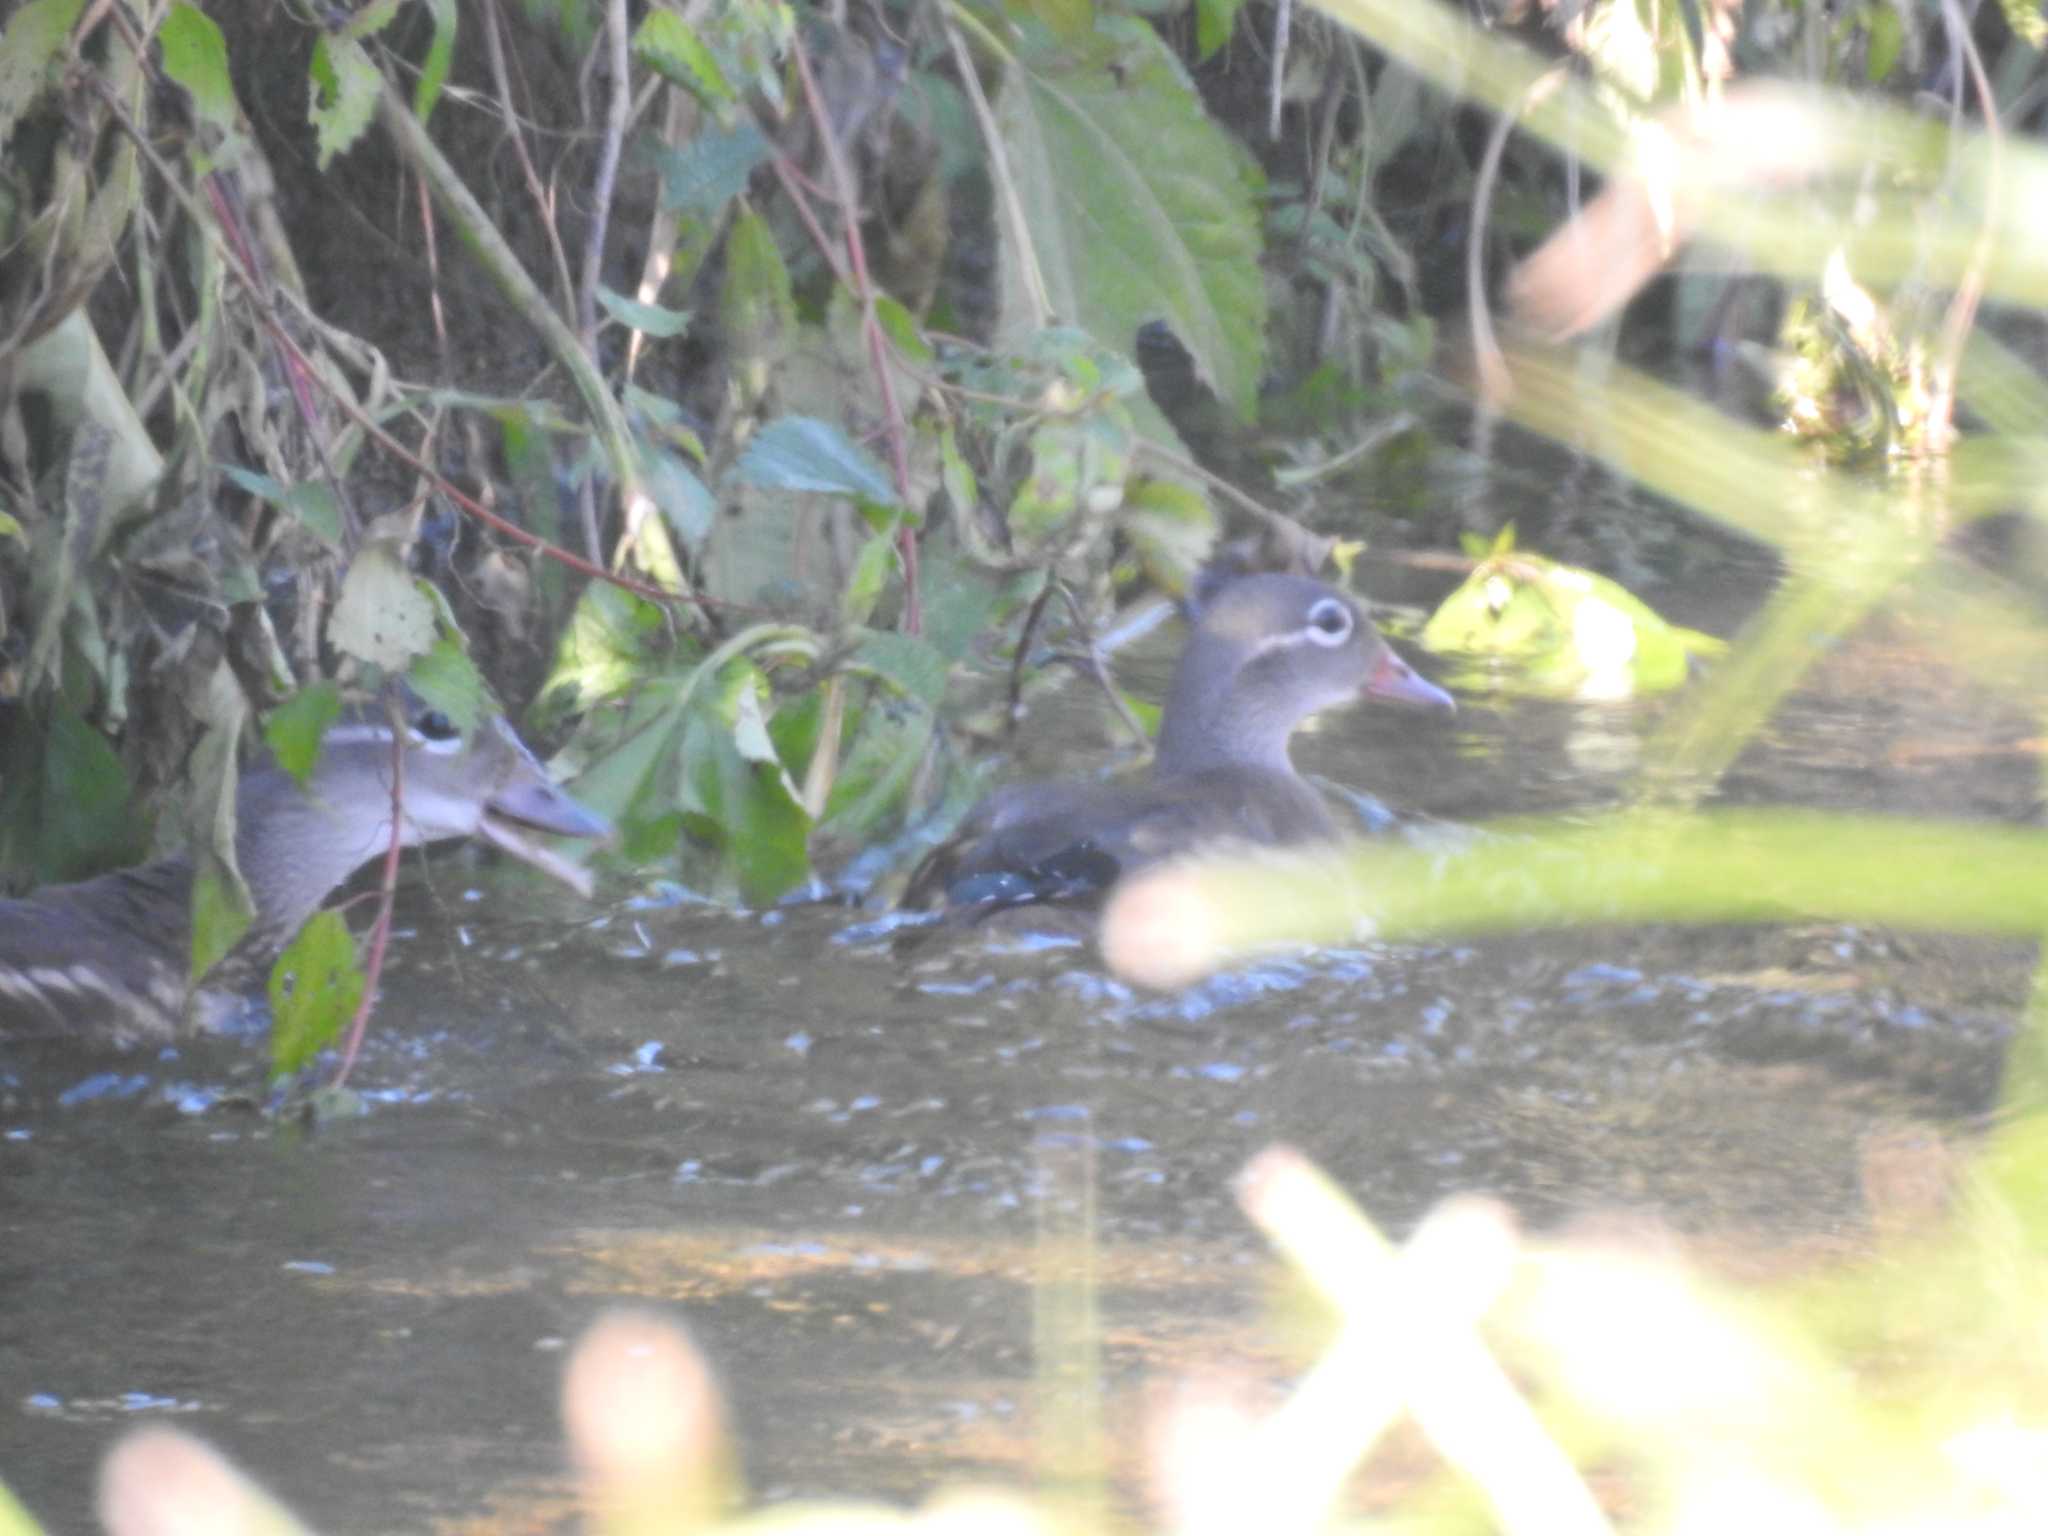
{"x": 382, "y": 616}
{"x": 314, "y": 989}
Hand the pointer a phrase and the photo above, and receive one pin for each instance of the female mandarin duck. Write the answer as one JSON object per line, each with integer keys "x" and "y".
{"x": 106, "y": 961}
{"x": 1266, "y": 652}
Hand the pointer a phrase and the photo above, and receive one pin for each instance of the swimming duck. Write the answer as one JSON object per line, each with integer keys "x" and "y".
{"x": 107, "y": 960}
{"x": 1265, "y": 653}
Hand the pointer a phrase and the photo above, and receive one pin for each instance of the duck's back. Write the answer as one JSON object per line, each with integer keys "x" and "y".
{"x": 103, "y": 960}
{"x": 1067, "y": 843}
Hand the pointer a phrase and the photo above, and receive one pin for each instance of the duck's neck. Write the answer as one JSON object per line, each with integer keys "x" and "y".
{"x": 1212, "y": 720}
{"x": 295, "y": 846}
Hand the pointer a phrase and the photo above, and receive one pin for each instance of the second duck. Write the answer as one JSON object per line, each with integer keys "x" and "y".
{"x": 1266, "y": 653}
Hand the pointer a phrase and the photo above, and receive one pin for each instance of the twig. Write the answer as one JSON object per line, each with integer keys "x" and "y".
{"x": 871, "y": 326}
{"x": 387, "y": 895}
{"x": 1033, "y": 280}
{"x": 494, "y": 51}
{"x": 617, "y": 109}
{"x": 1962, "y": 313}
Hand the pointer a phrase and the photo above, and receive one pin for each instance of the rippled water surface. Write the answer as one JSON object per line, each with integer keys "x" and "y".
{"x": 826, "y": 1147}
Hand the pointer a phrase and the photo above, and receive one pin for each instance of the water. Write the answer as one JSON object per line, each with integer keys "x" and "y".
{"x": 825, "y": 1155}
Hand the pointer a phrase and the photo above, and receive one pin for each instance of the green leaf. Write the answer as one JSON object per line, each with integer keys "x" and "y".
{"x": 871, "y": 568}
{"x": 15, "y": 1520}
{"x": 685, "y": 501}
{"x": 296, "y": 727}
{"x": 1563, "y": 631}
{"x": 802, "y": 453}
{"x": 712, "y": 169}
{"x": 1139, "y": 206}
{"x": 1214, "y": 22}
{"x": 903, "y": 331}
{"x": 905, "y": 662}
{"x": 1172, "y": 528}
{"x": 219, "y": 918}
{"x": 344, "y": 96}
{"x": 757, "y": 305}
{"x": 72, "y": 797}
{"x": 34, "y": 38}
{"x": 448, "y": 680}
{"x": 875, "y": 779}
{"x": 382, "y": 617}
{"x": 601, "y": 653}
{"x": 314, "y": 989}
{"x": 196, "y": 56}
{"x": 311, "y": 502}
{"x": 11, "y": 529}
{"x": 369, "y": 20}
{"x": 440, "y": 52}
{"x": 737, "y": 793}
{"x": 668, "y": 45}
{"x": 651, "y": 318}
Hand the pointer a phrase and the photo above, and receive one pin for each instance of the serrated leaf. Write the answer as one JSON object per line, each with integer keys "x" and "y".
{"x": 295, "y": 729}
{"x": 712, "y": 169}
{"x": 344, "y": 96}
{"x": 670, "y": 47}
{"x": 381, "y": 616}
{"x": 651, "y": 318}
{"x": 447, "y": 679}
{"x": 196, "y": 56}
{"x": 314, "y": 989}
{"x": 802, "y": 453}
{"x": 440, "y": 52}
{"x": 1140, "y": 208}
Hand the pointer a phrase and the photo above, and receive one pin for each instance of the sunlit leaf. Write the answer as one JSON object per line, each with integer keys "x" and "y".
{"x": 1555, "y": 630}
{"x": 382, "y": 616}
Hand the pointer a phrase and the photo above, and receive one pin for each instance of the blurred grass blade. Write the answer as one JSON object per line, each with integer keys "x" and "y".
{"x": 1172, "y": 925}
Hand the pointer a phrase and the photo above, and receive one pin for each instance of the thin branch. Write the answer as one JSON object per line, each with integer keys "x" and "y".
{"x": 617, "y": 110}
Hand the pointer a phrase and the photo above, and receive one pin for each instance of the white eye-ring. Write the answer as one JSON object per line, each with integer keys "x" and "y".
{"x": 1330, "y": 622}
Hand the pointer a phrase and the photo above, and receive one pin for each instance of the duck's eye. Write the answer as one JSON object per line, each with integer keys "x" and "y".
{"x": 1330, "y": 622}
